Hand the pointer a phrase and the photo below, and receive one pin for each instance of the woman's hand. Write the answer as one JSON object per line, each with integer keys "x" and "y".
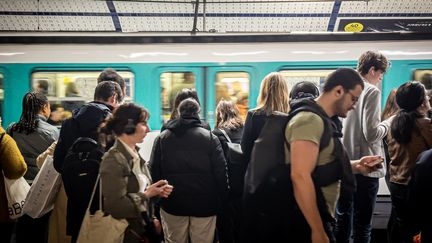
{"x": 160, "y": 188}
{"x": 157, "y": 225}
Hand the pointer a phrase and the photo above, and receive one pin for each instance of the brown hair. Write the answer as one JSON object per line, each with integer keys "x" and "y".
{"x": 228, "y": 116}
{"x": 372, "y": 59}
{"x": 124, "y": 115}
{"x": 391, "y": 106}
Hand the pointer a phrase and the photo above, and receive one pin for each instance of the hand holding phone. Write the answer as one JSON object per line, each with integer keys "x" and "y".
{"x": 375, "y": 162}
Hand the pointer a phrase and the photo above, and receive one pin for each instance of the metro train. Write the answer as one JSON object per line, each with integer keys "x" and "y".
{"x": 155, "y": 72}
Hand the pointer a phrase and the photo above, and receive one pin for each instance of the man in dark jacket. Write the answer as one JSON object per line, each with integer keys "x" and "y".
{"x": 190, "y": 157}
{"x": 84, "y": 123}
{"x": 86, "y": 120}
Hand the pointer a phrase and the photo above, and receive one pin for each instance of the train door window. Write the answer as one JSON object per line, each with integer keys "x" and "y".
{"x": 68, "y": 90}
{"x": 233, "y": 86}
{"x": 171, "y": 84}
{"x": 315, "y": 76}
{"x": 425, "y": 77}
{"x": 1, "y": 95}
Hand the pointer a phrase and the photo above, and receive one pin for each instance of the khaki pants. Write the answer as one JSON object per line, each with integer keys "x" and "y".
{"x": 178, "y": 229}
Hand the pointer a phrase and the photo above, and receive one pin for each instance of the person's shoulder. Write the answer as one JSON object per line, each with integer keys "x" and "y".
{"x": 217, "y": 132}
{"x": 370, "y": 89}
{"x": 256, "y": 111}
{"x": 46, "y": 126}
{"x": 306, "y": 117}
{"x": 114, "y": 155}
{"x": 425, "y": 121}
{"x": 425, "y": 125}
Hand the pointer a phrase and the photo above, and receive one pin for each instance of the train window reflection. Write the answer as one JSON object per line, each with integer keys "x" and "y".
{"x": 171, "y": 84}
{"x": 1, "y": 94}
{"x": 425, "y": 77}
{"x": 68, "y": 90}
{"x": 233, "y": 86}
{"x": 315, "y": 76}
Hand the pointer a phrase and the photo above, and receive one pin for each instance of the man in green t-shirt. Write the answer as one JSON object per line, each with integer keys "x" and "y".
{"x": 341, "y": 92}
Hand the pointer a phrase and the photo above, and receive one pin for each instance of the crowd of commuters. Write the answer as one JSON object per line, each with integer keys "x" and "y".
{"x": 191, "y": 189}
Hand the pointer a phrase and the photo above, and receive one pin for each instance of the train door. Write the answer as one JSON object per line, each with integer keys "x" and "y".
{"x": 173, "y": 80}
{"x": 227, "y": 83}
{"x": 68, "y": 89}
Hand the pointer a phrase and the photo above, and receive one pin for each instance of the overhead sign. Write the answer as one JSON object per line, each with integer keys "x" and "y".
{"x": 385, "y": 25}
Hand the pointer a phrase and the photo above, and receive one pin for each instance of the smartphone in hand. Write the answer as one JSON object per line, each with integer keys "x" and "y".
{"x": 375, "y": 162}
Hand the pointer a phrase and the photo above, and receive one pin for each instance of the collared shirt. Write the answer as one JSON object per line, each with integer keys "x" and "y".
{"x": 143, "y": 181}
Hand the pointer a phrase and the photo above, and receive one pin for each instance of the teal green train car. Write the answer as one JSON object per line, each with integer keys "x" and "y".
{"x": 155, "y": 72}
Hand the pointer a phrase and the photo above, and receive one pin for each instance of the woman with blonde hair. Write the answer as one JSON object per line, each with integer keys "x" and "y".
{"x": 273, "y": 96}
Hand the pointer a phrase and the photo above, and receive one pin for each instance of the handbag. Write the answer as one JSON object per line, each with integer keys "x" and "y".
{"x": 16, "y": 192}
{"x": 44, "y": 190}
{"x": 100, "y": 227}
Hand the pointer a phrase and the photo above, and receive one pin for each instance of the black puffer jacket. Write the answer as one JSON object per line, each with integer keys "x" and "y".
{"x": 84, "y": 123}
{"x": 190, "y": 157}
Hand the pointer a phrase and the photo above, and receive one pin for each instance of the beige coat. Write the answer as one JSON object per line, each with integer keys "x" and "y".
{"x": 57, "y": 221}
{"x": 120, "y": 189}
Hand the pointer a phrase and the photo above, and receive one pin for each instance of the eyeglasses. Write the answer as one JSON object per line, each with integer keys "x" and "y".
{"x": 354, "y": 98}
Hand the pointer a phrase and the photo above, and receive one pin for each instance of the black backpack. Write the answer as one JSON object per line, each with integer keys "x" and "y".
{"x": 270, "y": 208}
{"x": 79, "y": 174}
{"x": 236, "y": 166}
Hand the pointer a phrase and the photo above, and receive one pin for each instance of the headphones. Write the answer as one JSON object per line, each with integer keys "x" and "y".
{"x": 129, "y": 129}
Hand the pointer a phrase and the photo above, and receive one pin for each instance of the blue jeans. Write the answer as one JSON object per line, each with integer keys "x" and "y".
{"x": 354, "y": 212}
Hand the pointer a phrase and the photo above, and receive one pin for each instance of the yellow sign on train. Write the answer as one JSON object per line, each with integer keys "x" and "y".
{"x": 353, "y": 27}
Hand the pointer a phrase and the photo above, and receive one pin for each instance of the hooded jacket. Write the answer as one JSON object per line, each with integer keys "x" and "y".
{"x": 84, "y": 123}
{"x": 191, "y": 158}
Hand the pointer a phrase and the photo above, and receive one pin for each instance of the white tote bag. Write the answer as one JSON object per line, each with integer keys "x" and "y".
{"x": 44, "y": 190}
{"x": 100, "y": 228}
{"x": 16, "y": 192}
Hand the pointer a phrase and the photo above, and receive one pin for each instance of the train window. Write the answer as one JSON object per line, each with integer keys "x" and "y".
{"x": 233, "y": 86}
{"x": 424, "y": 76}
{"x": 315, "y": 76}
{"x": 1, "y": 95}
{"x": 171, "y": 84}
{"x": 68, "y": 90}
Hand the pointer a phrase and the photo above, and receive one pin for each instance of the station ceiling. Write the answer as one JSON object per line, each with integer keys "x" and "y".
{"x": 215, "y": 16}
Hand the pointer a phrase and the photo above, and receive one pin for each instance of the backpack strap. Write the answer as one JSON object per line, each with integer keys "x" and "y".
{"x": 225, "y": 135}
{"x": 309, "y": 105}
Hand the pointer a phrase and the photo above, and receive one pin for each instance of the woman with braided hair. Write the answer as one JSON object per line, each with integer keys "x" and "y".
{"x": 33, "y": 135}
